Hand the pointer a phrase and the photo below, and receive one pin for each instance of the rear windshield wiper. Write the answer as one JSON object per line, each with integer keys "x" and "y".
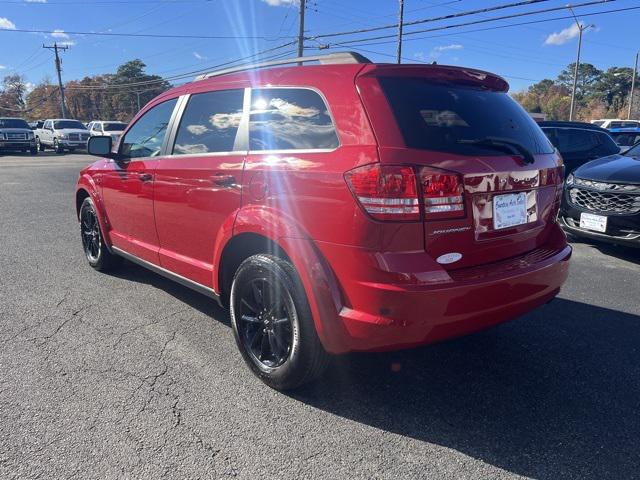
{"x": 502, "y": 144}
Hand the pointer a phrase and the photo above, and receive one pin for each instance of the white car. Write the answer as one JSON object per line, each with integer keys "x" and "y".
{"x": 110, "y": 128}
{"x": 61, "y": 134}
{"x": 616, "y": 123}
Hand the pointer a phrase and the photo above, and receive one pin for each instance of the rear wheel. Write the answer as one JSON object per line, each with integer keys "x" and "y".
{"x": 272, "y": 323}
{"x": 93, "y": 244}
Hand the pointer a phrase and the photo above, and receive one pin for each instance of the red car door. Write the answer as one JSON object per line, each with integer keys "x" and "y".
{"x": 197, "y": 187}
{"x": 127, "y": 187}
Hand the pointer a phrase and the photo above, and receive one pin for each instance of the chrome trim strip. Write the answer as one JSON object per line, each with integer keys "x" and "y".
{"x": 198, "y": 287}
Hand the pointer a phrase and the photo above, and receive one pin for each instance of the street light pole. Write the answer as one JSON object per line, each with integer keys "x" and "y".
{"x": 581, "y": 29}
{"x": 633, "y": 85}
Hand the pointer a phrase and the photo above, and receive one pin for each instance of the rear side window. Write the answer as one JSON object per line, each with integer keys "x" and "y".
{"x": 445, "y": 117}
{"x": 290, "y": 119}
{"x": 210, "y": 123}
{"x": 575, "y": 141}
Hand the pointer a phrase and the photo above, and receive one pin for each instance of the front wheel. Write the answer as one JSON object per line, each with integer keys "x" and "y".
{"x": 57, "y": 147}
{"x": 272, "y": 323}
{"x": 95, "y": 250}
{"x": 33, "y": 151}
{"x": 39, "y": 144}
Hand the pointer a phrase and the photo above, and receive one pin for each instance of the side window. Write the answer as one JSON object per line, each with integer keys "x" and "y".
{"x": 210, "y": 123}
{"x": 615, "y": 125}
{"x": 606, "y": 145}
{"x": 47, "y": 124}
{"x": 572, "y": 140}
{"x": 145, "y": 137}
{"x": 289, "y": 119}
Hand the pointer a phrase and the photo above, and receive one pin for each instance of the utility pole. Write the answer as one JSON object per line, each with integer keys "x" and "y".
{"x": 55, "y": 48}
{"x": 581, "y": 29}
{"x": 301, "y": 29}
{"x": 633, "y": 85}
{"x": 138, "y": 94}
{"x": 400, "y": 21}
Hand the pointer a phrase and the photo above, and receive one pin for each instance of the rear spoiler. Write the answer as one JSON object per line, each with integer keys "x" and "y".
{"x": 440, "y": 73}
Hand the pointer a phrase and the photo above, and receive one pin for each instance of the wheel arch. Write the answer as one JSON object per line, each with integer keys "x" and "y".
{"x": 86, "y": 188}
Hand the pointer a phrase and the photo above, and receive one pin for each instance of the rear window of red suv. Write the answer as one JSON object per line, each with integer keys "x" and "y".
{"x": 446, "y": 118}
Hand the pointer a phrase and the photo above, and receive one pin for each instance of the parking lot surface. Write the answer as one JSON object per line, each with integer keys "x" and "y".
{"x": 129, "y": 375}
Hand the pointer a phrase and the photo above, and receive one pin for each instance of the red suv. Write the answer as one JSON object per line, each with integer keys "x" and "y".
{"x": 346, "y": 206}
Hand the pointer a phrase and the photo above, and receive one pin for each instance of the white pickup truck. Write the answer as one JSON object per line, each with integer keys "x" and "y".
{"x": 61, "y": 134}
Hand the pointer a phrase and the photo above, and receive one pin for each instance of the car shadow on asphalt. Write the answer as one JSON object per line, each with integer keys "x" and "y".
{"x": 555, "y": 394}
{"x": 630, "y": 254}
{"x": 206, "y": 305}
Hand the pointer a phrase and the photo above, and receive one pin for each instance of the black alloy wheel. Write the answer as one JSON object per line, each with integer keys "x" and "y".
{"x": 95, "y": 250}
{"x": 272, "y": 323}
{"x": 90, "y": 230}
{"x": 264, "y": 325}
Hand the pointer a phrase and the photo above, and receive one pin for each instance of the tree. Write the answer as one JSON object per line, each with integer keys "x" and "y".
{"x": 588, "y": 76}
{"x": 12, "y": 95}
{"x": 613, "y": 88}
{"x": 43, "y": 101}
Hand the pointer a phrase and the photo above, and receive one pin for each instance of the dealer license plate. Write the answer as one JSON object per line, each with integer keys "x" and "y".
{"x": 509, "y": 210}
{"x": 597, "y": 223}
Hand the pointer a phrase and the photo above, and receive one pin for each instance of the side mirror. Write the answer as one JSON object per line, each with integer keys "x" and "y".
{"x": 101, "y": 147}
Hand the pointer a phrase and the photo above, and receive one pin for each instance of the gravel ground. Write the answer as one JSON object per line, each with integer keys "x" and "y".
{"x": 132, "y": 376}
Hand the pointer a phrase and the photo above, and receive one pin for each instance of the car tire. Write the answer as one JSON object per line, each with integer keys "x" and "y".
{"x": 33, "y": 151}
{"x": 272, "y": 323}
{"x": 39, "y": 144}
{"x": 95, "y": 250}
{"x": 57, "y": 147}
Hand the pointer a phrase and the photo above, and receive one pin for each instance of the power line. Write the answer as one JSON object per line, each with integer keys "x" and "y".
{"x": 434, "y": 19}
{"x": 150, "y": 35}
{"x": 446, "y": 27}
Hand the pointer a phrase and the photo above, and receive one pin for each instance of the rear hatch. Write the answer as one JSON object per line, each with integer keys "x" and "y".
{"x": 489, "y": 179}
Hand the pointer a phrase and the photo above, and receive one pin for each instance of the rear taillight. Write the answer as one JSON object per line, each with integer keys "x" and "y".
{"x": 392, "y": 192}
{"x": 386, "y": 192}
{"x": 443, "y": 194}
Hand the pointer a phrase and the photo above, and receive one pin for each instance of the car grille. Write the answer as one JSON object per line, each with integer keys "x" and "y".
{"x": 16, "y": 136}
{"x": 605, "y": 197}
{"x": 76, "y": 137}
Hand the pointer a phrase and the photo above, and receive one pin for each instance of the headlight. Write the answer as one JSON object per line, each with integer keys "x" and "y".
{"x": 570, "y": 179}
{"x": 2, "y": 136}
{"x": 62, "y": 135}
{"x": 29, "y": 135}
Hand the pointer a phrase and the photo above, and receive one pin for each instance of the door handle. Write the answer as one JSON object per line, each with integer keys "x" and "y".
{"x": 145, "y": 177}
{"x": 222, "y": 180}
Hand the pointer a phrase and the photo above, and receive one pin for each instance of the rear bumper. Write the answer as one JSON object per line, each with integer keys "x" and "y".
{"x": 386, "y": 316}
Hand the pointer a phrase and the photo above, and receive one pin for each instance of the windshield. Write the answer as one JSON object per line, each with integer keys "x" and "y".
{"x": 13, "y": 123}
{"x": 61, "y": 124}
{"x": 599, "y": 123}
{"x": 444, "y": 117}
{"x": 114, "y": 127}
{"x": 633, "y": 151}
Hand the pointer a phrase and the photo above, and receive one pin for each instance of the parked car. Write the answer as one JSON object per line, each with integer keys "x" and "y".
{"x": 16, "y": 136}
{"x": 339, "y": 207}
{"x": 625, "y": 138}
{"x": 609, "y": 123}
{"x": 111, "y": 128}
{"x": 579, "y": 142}
{"x": 36, "y": 124}
{"x": 62, "y": 134}
{"x": 602, "y": 199}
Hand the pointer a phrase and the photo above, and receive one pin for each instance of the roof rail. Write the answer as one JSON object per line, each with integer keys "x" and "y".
{"x": 332, "y": 58}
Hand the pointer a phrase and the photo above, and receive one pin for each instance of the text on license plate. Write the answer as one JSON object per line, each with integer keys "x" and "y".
{"x": 509, "y": 210}
{"x": 597, "y": 223}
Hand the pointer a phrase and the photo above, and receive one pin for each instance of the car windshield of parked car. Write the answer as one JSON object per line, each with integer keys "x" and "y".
{"x": 634, "y": 151}
{"x": 13, "y": 123}
{"x": 114, "y": 127}
{"x": 448, "y": 118}
{"x": 62, "y": 124}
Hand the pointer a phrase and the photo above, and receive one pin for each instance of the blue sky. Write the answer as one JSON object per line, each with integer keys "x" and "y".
{"x": 523, "y": 54}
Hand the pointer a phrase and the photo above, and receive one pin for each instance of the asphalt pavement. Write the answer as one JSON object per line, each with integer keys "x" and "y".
{"x": 129, "y": 375}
